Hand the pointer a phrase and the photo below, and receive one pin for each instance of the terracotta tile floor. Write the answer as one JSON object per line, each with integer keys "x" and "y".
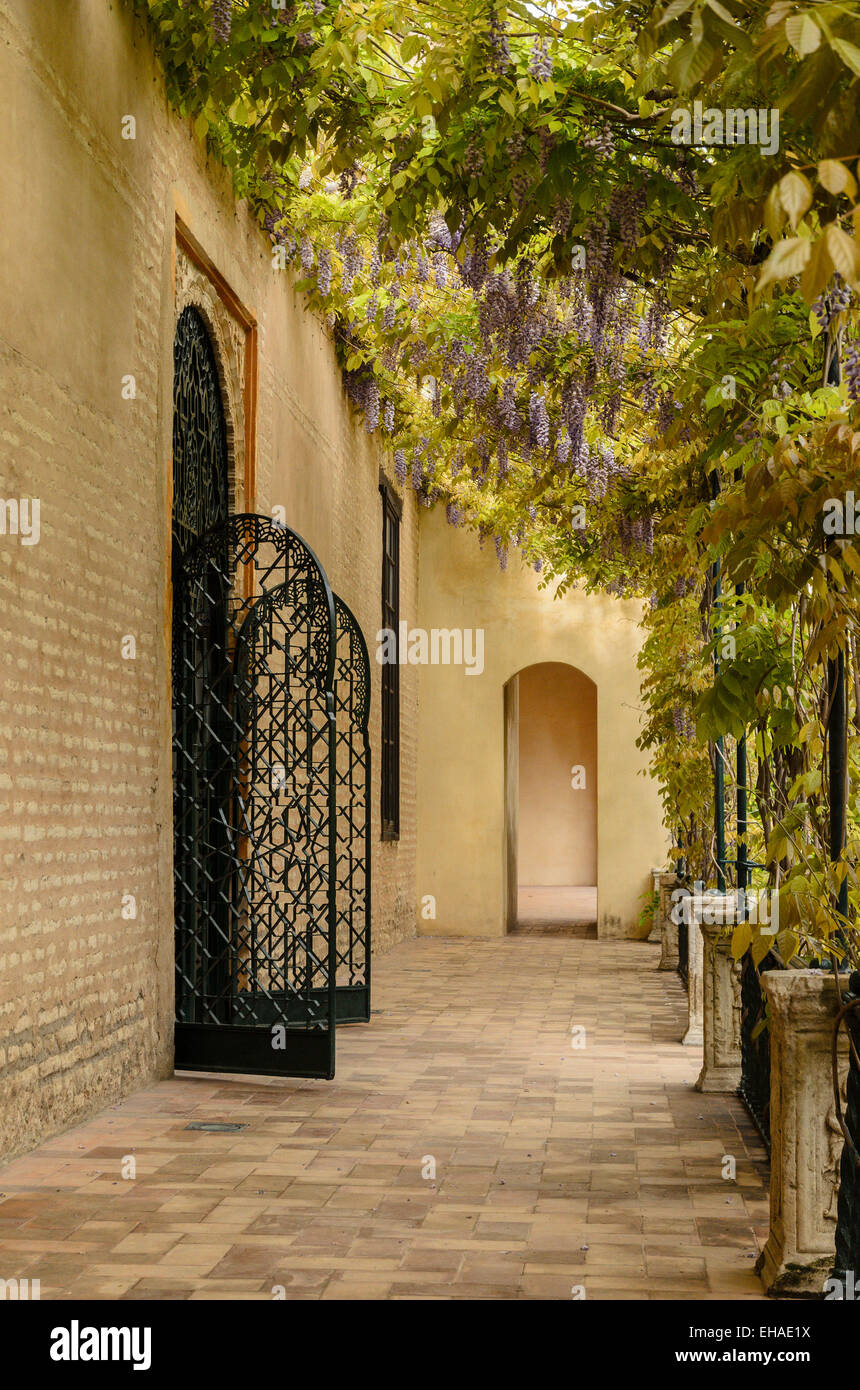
{"x": 555, "y": 1166}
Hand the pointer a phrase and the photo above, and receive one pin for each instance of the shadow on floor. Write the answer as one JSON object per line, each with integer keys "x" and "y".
{"x": 556, "y": 911}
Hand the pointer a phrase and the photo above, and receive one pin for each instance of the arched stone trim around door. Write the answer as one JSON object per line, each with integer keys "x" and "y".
{"x": 228, "y": 345}
{"x": 233, "y": 332}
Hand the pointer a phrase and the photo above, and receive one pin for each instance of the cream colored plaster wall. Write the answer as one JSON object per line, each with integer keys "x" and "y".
{"x": 86, "y": 297}
{"x": 557, "y": 820}
{"x": 461, "y": 781}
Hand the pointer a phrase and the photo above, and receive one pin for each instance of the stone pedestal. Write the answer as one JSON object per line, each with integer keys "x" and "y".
{"x": 806, "y": 1141}
{"x": 721, "y": 1005}
{"x": 655, "y": 934}
{"x": 668, "y": 928}
{"x": 696, "y": 908}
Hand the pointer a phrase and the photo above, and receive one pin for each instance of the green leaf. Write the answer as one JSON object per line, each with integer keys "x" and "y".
{"x": 786, "y": 259}
{"x": 723, "y": 13}
{"x": 674, "y": 11}
{"x": 849, "y": 53}
{"x": 689, "y": 64}
{"x": 816, "y": 274}
{"x": 741, "y": 939}
{"x": 836, "y": 177}
{"x": 843, "y": 253}
{"x": 795, "y": 195}
{"x": 802, "y": 33}
{"x": 787, "y": 943}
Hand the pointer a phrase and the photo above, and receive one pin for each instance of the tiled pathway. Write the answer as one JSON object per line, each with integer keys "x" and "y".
{"x": 555, "y": 1166}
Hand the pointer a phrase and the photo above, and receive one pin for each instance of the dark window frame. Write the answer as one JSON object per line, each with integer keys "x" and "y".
{"x": 389, "y": 762}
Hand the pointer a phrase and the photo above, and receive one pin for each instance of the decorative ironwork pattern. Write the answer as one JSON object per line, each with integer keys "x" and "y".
{"x": 848, "y": 1204}
{"x": 684, "y": 951}
{"x": 254, "y": 757}
{"x": 352, "y": 822}
{"x": 200, "y": 484}
{"x": 390, "y": 734}
{"x": 201, "y": 783}
{"x": 754, "y": 1089}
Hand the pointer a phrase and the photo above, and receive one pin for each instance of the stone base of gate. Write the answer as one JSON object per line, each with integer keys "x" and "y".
{"x": 721, "y": 1010}
{"x": 668, "y": 928}
{"x": 806, "y": 1141}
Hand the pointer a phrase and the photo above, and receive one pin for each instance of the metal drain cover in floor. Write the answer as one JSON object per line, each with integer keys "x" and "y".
{"x": 215, "y": 1127}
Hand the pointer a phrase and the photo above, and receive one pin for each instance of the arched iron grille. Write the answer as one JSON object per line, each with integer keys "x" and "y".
{"x": 200, "y": 485}
{"x": 256, "y": 947}
{"x": 352, "y": 823}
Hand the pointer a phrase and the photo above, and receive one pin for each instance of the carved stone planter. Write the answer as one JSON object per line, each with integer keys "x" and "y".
{"x": 721, "y": 1005}
{"x": 668, "y": 928}
{"x": 806, "y": 1141}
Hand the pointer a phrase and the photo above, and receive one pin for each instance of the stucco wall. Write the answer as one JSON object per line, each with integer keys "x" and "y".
{"x": 461, "y": 781}
{"x": 86, "y": 297}
{"x": 557, "y": 820}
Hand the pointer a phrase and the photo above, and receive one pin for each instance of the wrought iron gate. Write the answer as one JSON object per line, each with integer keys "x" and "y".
{"x": 271, "y": 767}
{"x": 200, "y": 782}
{"x": 848, "y": 1207}
{"x": 684, "y": 951}
{"x": 352, "y": 821}
{"x": 754, "y": 1089}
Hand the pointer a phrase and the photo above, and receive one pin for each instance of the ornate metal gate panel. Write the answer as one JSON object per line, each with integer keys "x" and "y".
{"x": 684, "y": 952}
{"x": 200, "y": 484}
{"x": 754, "y": 1089}
{"x": 254, "y": 788}
{"x": 352, "y": 822}
{"x": 848, "y": 1205}
{"x": 200, "y": 502}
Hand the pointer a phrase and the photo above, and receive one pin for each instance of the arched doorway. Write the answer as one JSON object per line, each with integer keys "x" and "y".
{"x": 551, "y": 799}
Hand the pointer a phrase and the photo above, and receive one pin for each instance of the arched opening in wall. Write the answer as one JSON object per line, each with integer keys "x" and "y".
{"x": 551, "y": 800}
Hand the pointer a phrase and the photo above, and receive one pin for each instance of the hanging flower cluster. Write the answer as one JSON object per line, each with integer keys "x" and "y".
{"x": 531, "y": 377}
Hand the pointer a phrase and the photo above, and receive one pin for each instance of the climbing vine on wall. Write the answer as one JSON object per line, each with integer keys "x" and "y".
{"x": 596, "y": 332}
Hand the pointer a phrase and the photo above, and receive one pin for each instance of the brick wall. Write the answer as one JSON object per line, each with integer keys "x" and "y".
{"x": 87, "y": 297}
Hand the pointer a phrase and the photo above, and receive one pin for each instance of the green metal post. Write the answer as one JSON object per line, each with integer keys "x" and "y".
{"x": 837, "y": 728}
{"x": 719, "y": 768}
